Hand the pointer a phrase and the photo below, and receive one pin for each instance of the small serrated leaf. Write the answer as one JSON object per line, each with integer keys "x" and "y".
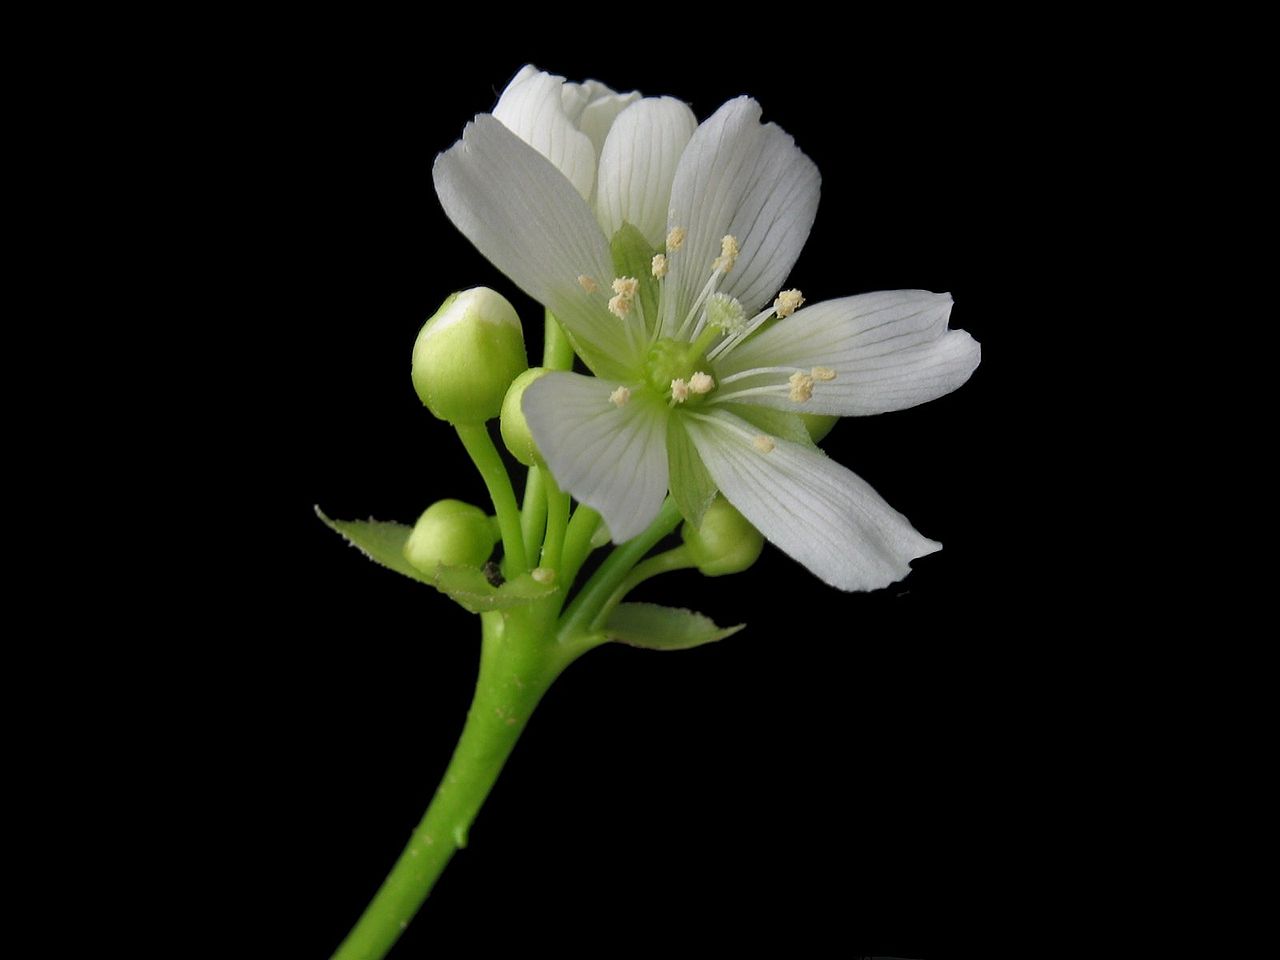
{"x": 656, "y": 627}
{"x": 383, "y": 543}
{"x": 469, "y": 587}
{"x": 380, "y": 541}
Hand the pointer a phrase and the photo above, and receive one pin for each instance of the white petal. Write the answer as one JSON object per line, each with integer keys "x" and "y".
{"x": 638, "y": 163}
{"x": 611, "y": 458}
{"x": 593, "y": 107}
{"x": 532, "y": 225}
{"x": 889, "y": 350}
{"x": 811, "y": 507}
{"x": 738, "y": 177}
{"x": 532, "y": 108}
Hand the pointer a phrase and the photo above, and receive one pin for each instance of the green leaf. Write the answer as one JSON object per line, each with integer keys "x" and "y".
{"x": 383, "y": 543}
{"x": 777, "y": 423}
{"x": 663, "y": 628}
{"x": 691, "y": 486}
{"x": 633, "y": 257}
{"x": 469, "y": 587}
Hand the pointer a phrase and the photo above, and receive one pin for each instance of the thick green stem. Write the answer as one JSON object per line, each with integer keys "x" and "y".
{"x": 677, "y": 558}
{"x": 595, "y": 592}
{"x": 517, "y": 665}
{"x": 475, "y": 437}
{"x": 557, "y": 351}
{"x": 533, "y": 514}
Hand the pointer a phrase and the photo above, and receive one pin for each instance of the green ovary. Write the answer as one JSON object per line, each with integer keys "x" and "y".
{"x": 669, "y": 360}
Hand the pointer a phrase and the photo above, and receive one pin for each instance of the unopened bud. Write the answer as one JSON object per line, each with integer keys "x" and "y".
{"x": 724, "y": 543}
{"x": 467, "y": 355}
{"x": 515, "y": 429}
{"x": 818, "y": 424}
{"x": 451, "y": 532}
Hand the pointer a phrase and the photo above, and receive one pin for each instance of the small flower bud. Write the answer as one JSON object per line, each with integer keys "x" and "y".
{"x": 451, "y": 532}
{"x": 818, "y": 424}
{"x": 515, "y": 429}
{"x": 467, "y": 355}
{"x": 725, "y": 543}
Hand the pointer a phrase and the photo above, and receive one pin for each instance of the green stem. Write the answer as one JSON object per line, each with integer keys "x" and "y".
{"x": 557, "y": 522}
{"x": 596, "y": 591}
{"x": 577, "y": 541}
{"x": 475, "y": 437}
{"x": 533, "y": 514}
{"x": 677, "y": 558}
{"x": 517, "y": 666}
{"x": 557, "y": 351}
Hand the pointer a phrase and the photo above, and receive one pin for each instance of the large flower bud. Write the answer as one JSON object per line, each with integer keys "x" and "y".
{"x": 724, "y": 543}
{"x": 515, "y": 429}
{"x": 451, "y": 532}
{"x": 467, "y": 355}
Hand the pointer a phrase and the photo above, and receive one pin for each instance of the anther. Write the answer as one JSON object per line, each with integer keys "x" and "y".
{"x": 801, "y": 387}
{"x": 675, "y": 239}
{"x": 728, "y": 254}
{"x": 620, "y": 397}
{"x": 762, "y": 443}
{"x": 543, "y": 574}
{"x": 626, "y": 286}
{"x": 822, "y": 373}
{"x": 620, "y": 306}
{"x": 701, "y": 383}
{"x": 659, "y": 266}
{"x": 679, "y": 390}
{"x": 586, "y": 283}
{"x": 787, "y": 303}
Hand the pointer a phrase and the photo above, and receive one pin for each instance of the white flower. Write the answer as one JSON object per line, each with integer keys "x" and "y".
{"x": 702, "y": 361}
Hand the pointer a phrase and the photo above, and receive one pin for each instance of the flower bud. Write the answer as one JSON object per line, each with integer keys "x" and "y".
{"x": 725, "y": 543}
{"x": 515, "y": 429}
{"x": 467, "y": 355}
{"x": 818, "y": 424}
{"x": 451, "y": 532}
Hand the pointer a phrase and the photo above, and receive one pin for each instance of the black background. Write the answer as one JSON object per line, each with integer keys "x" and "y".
{"x": 847, "y": 770}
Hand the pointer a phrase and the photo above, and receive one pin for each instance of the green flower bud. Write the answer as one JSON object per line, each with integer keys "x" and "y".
{"x": 451, "y": 532}
{"x": 515, "y": 429}
{"x": 725, "y": 543}
{"x": 818, "y": 424}
{"x": 467, "y": 355}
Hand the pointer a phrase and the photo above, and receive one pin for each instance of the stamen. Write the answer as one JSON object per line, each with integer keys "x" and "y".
{"x": 679, "y": 390}
{"x": 762, "y": 443}
{"x": 675, "y": 239}
{"x": 625, "y": 288}
{"x": 620, "y": 397}
{"x": 801, "y": 387}
{"x": 787, "y": 303}
{"x": 822, "y": 373}
{"x": 620, "y": 306}
{"x": 728, "y": 254}
{"x": 701, "y": 383}
{"x": 587, "y": 284}
{"x": 659, "y": 265}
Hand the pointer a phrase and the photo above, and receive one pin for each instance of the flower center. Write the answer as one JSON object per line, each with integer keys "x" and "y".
{"x": 675, "y": 362}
